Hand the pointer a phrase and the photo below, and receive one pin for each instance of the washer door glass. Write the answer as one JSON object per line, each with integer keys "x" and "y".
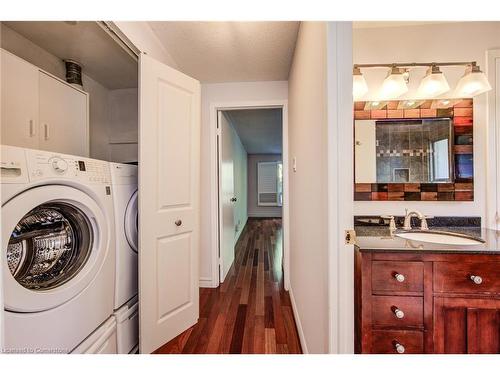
{"x": 49, "y": 246}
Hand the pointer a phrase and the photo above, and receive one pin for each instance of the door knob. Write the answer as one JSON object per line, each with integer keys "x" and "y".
{"x": 178, "y": 223}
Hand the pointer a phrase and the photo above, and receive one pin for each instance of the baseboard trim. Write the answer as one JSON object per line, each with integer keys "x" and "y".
{"x": 256, "y": 215}
{"x": 206, "y": 282}
{"x": 298, "y": 323}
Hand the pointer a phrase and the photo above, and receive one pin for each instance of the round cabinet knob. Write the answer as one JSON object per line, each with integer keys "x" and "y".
{"x": 399, "y": 348}
{"x": 476, "y": 279}
{"x": 399, "y": 313}
{"x": 59, "y": 165}
{"x": 399, "y": 277}
{"x": 234, "y": 199}
{"x": 178, "y": 223}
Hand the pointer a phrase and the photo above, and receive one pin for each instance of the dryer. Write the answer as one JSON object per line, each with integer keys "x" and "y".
{"x": 124, "y": 187}
{"x": 58, "y": 249}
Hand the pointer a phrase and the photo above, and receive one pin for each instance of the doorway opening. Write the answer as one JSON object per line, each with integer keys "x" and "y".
{"x": 250, "y": 161}
{"x": 250, "y": 188}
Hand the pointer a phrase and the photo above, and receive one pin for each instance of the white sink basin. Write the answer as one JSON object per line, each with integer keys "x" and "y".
{"x": 440, "y": 238}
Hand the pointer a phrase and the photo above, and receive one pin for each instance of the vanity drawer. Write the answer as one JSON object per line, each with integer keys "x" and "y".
{"x": 396, "y": 311}
{"x": 395, "y": 276}
{"x": 467, "y": 277}
{"x": 388, "y": 342}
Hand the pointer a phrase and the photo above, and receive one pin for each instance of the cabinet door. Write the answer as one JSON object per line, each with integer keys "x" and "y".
{"x": 63, "y": 117}
{"x": 466, "y": 325}
{"x": 19, "y": 82}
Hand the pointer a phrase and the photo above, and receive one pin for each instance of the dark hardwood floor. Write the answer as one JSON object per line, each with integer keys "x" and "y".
{"x": 250, "y": 312}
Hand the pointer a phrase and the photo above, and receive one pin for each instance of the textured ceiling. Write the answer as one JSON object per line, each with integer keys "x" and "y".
{"x": 86, "y": 42}
{"x": 230, "y": 51}
{"x": 376, "y": 24}
{"x": 260, "y": 130}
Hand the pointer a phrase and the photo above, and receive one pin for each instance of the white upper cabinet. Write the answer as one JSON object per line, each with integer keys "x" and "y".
{"x": 41, "y": 111}
{"x": 19, "y": 81}
{"x": 63, "y": 117}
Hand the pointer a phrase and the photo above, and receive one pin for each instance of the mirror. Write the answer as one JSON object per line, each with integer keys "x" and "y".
{"x": 414, "y": 150}
{"x": 403, "y": 151}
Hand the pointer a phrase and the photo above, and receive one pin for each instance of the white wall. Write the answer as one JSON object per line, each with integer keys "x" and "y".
{"x": 308, "y": 185}
{"x": 123, "y": 125}
{"x": 254, "y": 210}
{"x": 464, "y": 41}
{"x": 215, "y": 94}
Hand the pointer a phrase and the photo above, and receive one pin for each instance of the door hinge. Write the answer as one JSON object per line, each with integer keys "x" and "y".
{"x": 350, "y": 237}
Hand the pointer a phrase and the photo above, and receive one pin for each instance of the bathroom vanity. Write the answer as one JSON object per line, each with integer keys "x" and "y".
{"x": 419, "y": 297}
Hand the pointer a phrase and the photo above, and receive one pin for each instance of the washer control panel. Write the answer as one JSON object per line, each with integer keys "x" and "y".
{"x": 42, "y": 164}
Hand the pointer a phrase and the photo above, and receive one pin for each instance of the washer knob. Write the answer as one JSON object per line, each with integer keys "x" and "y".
{"x": 59, "y": 165}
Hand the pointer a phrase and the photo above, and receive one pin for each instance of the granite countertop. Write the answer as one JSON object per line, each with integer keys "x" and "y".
{"x": 378, "y": 239}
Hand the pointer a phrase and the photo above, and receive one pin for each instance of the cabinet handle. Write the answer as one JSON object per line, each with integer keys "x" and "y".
{"x": 399, "y": 277}
{"x": 399, "y": 347}
{"x": 32, "y": 129}
{"x": 398, "y": 312}
{"x": 46, "y": 132}
{"x": 476, "y": 279}
{"x": 178, "y": 223}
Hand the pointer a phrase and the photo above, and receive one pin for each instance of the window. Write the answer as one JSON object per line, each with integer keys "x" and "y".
{"x": 270, "y": 183}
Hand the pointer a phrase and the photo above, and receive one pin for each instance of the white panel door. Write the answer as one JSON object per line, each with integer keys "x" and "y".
{"x": 365, "y": 143}
{"x": 169, "y": 189}
{"x": 226, "y": 196}
{"x": 19, "y": 81}
{"x": 63, "y": 117}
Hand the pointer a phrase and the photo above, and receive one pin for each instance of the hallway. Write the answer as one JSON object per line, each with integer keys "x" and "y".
{"x": 250, "y": 312}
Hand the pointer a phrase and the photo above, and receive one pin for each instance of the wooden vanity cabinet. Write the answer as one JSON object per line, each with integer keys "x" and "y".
{"x": 414, "y": 303}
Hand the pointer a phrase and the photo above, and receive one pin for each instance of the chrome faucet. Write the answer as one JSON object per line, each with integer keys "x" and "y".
{"x": 409, "y": 215}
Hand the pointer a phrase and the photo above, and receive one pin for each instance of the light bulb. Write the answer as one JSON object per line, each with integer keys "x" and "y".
{"x": 474, "y": 82}
{"x": 433, "y": 84}
{"x": 394, "y": 85}
{"x": 359, "y": 86}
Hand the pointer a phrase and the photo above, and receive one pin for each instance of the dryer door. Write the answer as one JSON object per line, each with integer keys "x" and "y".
{"x": 132, "y": 221}
{"x": 55, "y": 239}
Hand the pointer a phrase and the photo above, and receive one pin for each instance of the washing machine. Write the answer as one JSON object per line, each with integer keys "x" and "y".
{"x": 58, "y": 249}
{"x": 124, "y": 188}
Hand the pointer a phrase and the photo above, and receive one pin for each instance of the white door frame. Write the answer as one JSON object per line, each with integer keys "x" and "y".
{"x": 340, "y": 187}
{"x": 493, "y": 141}
{"x": 214, "y": 183}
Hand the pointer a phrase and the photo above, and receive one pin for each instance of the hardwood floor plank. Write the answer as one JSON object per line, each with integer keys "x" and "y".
{"x": 259, "y": 340}
{"x": 269, "y": 313}
{"x": 270, "y": 335}
{"x": 249, "y": 312}
{"x": 291, "y": 331}
{"x": 239, "y": 329}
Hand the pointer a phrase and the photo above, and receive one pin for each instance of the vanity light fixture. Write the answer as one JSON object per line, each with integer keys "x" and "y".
{"x": 394, "y": 84}
{"x": 359, "y": 86}
{"x": 433, "y": 84}
{"x": 473, "y": 82}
